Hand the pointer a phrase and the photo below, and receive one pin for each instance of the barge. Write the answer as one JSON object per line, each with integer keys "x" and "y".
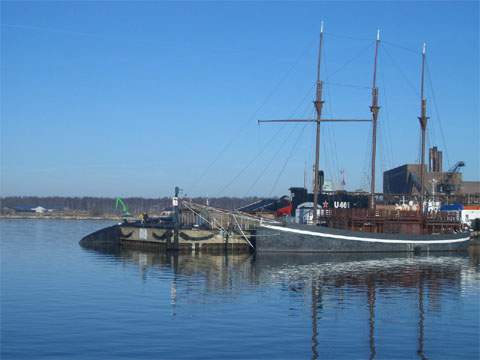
{"x": 184, "y": 229}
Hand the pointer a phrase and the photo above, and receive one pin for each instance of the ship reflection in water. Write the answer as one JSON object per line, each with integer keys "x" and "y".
{"x": 364, "y": 305}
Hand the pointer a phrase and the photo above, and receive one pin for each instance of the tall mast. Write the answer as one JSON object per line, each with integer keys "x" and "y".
{"x": 318, "y": 119}
{"x": 423, "y": 125}
{"x": 374, "y": 109}
{"x": 318, "y": 107}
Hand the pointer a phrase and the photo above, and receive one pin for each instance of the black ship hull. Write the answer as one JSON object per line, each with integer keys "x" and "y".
{"x": 308, "y": 238}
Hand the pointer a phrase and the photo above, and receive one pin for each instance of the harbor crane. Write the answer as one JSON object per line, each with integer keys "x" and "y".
{"x": 120, "y": 203}
{"x": 447, "y": 186}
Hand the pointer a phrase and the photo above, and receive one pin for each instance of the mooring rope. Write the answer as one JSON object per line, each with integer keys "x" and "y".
{"x": 243, "y": 234}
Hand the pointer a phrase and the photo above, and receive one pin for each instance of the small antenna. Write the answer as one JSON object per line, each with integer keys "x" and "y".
{"x": 378, "y": 34}
{"x": 321, "y": 26}
{"x": 424, "y": 50}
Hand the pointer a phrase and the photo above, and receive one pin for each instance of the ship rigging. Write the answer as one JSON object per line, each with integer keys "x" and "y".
{"x": 318, "y": 104}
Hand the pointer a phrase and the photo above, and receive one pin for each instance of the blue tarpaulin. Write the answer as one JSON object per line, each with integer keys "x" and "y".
{"x": 451, "y": 207}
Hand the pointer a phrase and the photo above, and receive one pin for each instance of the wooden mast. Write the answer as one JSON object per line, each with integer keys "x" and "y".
{"x": 374, "y": 108}
{"x": 318, "y": 108}
{"x": 318, "y": 120}
{"x": 423, "y": 125}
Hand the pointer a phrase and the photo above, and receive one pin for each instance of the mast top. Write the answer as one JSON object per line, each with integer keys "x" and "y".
{"x": 319, "y": 58}
{"x": 424, "y": 49}
{"x": 377, "y": 43}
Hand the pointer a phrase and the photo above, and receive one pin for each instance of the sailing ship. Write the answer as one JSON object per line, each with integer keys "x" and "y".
{"x": 369, "y": 229}
{"x": 361, "y": 227}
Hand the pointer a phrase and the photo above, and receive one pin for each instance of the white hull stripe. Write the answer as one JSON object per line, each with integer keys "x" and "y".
{"x": 356, "y": 238}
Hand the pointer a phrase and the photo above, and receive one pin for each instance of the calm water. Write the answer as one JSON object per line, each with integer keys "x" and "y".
{"x": 59, "y": 300}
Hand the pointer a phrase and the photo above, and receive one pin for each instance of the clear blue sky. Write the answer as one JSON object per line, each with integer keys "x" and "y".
{"x": 131, "y": 99}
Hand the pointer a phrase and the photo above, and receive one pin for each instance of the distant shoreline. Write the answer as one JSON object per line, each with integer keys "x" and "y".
{"x": 59, "y": 217}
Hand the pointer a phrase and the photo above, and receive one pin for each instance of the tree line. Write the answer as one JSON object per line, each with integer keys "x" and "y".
{"x": 105, "y": 205}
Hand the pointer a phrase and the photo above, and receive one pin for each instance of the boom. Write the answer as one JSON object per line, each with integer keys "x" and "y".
{"x": 119, "y": 202}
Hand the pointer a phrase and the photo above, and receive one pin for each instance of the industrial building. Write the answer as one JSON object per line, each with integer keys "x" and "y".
{"x": 405, "y": 179}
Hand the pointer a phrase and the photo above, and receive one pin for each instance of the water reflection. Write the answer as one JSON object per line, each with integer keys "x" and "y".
{"x": 421, "y": 320}
{"x": 316, "y": 303}
{"x": 322, "y": 279}
{"x": 371, "y": 320}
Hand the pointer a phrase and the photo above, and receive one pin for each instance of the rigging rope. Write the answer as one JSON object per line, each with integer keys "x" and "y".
{"x": 399, "y": 68}
{"x": 386, "y": 122}
{"x": 211, "y": 223}
{"x": 437, "y": 113}
{"x": 347, "y": 85}
{"x": 256, "y": 156}
{"x": 382, "y": 150}
{"x": 357, "y": 55}
{"x": 327, "y": 161}
{"x": 331, "y": 139}
{"x": 287, "y": 159}
{"x": 264, "y": 169}
{"x": 340, "y": 36}
{"x": 367, "y": 165}
{"x": 330, "y": 161}
{"x": 401, "y": 47}
{"x": 242, "y": 126}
